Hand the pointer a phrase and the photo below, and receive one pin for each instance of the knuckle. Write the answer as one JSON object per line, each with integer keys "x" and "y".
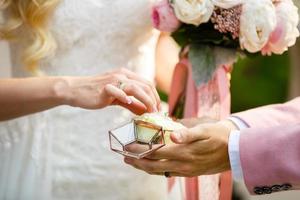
{"x": 147, "y": 89}
{"x": 107, "y": 87}
{"x": 183, "y": 154}
{"x": 130, "y": 87}
{"x": 192, "y": 156}
{"x": 186, "y": 169}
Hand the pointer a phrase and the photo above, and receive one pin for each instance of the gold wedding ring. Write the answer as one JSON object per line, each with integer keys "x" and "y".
{"x": 121, "y": 85}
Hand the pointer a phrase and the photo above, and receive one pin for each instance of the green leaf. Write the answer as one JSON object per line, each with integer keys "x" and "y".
{"x": 203, "y": 62}
{"x": 203, "y": 34}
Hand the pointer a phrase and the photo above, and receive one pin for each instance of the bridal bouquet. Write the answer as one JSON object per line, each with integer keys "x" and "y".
{"x": 202, "y": 27}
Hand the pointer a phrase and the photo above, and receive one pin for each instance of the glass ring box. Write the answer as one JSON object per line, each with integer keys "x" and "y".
{"x": 137, "y": 139}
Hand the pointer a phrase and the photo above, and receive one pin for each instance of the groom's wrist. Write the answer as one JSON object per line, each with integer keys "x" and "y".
{"x": 234, "y": 155}
{"x": 229, "y": 125}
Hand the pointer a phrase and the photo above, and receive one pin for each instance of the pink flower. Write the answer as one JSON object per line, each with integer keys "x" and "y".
{"x": 163, "y": 17}
{"x": 286, "y": 31}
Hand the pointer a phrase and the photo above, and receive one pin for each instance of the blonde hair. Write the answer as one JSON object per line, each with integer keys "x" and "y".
{"x": 34, "y": 16}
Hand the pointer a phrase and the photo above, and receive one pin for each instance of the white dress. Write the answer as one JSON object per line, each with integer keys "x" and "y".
{"x": 64, "y": 153}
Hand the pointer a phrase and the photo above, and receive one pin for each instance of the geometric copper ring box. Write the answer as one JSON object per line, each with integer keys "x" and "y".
{"x": 137, "y": 139}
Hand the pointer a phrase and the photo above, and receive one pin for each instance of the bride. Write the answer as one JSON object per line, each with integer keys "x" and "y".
{"x": 64, "y": 153}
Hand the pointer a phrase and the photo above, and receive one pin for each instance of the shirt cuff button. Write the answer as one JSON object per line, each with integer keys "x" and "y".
{"x": 258, "y": 191}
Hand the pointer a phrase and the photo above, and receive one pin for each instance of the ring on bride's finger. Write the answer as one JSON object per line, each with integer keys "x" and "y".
{"x": 167, "y": 174}
{"x": 121, "y": 85}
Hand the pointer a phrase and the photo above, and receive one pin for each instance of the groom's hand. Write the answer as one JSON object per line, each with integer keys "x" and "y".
{"x": 200, "y": 150}
{"x": 192, "y": 122}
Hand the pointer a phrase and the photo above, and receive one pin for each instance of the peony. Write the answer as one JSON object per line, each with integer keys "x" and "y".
{"x": 258, "y": 20}
{"x": 193, "y": 11}
{"x": 227, "y": 3}
{"x": 286, "y": 31}
{"x": 163, "y": 17}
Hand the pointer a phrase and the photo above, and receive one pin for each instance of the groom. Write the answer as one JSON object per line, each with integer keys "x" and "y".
{"x": 260, "y": 146}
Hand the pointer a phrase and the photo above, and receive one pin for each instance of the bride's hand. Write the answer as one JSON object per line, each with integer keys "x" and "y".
{"x": 121, "y": 87}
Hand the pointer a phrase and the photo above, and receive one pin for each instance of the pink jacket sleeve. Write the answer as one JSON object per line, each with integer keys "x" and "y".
{"x": 272, "y": 115}
{"x": 270, "y": 148}
{"x": 270, "y": 158}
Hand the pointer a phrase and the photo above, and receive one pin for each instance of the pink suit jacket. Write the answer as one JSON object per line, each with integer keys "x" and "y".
{"x": 270, "y": 148}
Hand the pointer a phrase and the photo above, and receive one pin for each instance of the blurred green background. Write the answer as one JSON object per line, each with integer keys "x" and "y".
{"x": 259, "y": 81}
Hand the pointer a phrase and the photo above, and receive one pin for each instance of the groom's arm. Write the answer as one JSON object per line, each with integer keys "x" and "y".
{"x": 267, "y": 116}
{"x": 270, "y": 158}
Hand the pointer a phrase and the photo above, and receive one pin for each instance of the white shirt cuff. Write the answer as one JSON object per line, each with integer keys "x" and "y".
{"x": 234, "y": 155}
{"x": 238, "y": 122}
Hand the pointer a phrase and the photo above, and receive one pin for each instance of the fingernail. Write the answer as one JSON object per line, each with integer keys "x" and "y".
{"x": 178, "y": 136}
{"x": 129, "y": 101}
{"x": 154, "y": 109}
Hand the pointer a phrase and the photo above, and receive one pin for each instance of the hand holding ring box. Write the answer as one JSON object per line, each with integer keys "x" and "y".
{"x": 143, "y": 135}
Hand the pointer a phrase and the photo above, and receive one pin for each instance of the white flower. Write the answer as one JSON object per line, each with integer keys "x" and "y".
{"x": 258, "y": 21}
{"x": 161, "y": 120}
{"x": 227, "y": 3}
{"x": 286, "y": 31}
{"x": 193, "y": 11}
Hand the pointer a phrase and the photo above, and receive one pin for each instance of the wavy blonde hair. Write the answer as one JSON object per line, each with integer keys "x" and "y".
{"x": 34, "y": 16}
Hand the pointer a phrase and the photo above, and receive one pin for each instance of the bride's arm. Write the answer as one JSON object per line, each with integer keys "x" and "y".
{"x": 166, "y": 58}
{"x": 19, "y": 97}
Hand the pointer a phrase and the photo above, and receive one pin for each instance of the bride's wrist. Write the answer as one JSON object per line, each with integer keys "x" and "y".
{"x": 62, "y": 90}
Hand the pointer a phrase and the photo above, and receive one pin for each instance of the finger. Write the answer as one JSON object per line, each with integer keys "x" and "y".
{"x": 136, "y": 106}
{"x": 186, "y": 136}
{"x": 132, "y": 75}
{"x": 151, "y": 166}
{"x": 189, "y": 122}
{"x": 117, "y": 93}
{"x": 192, "y": 122}
{"x": 137, "y": 148}
{"x": 147, "y": 89}
{"x": 138, "y": 93}
{"x": 171, "y": 152}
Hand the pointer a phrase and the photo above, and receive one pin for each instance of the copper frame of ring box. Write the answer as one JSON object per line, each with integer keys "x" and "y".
{"x": 126, "y": 141}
